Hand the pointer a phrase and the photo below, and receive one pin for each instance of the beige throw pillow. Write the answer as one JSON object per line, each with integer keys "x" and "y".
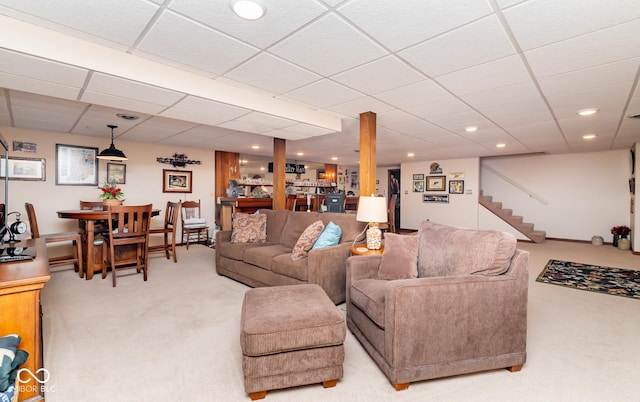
{"x": 306, "y": 240}
{"x": 400, "y": 257}
{"x": 249, "y": 228}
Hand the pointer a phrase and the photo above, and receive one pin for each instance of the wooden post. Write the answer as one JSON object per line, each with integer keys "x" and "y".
{"x": 279, "y": 177}
{"x": 367, "y": 153}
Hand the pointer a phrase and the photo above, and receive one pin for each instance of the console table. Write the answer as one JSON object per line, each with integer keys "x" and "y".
{"x": 20, "y": 285}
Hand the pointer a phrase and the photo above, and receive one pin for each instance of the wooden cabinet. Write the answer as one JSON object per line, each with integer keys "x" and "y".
{"x": 20, "y": 285}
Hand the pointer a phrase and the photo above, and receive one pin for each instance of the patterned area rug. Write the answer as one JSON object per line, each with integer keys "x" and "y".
{"x": 613, "y": 281}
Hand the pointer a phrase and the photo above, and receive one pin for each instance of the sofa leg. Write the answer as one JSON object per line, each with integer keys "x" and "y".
{"x": 329, "y": 384}
{"x": 257, "y": 395}
{"x": 513, "y": 369}
{"x": 401, "y": 387}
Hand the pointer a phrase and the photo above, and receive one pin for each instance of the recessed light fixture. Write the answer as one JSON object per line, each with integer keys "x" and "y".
{"x": 634, "y": 116}
{"x": 249, "y": 10}
{"x": 300, "y": 154}
{"x": 471, "y": 129}
{"x": 411, "y": 154}
{"x": 334, "y": 158}
{"x": 261, "y": 167}
{"x": 588, "y": 112}
{"x": 127, "y": 116}
{"x": 255, "y": 146}
{"x": 589, "y": 136}
{"x": 501, "y": 145}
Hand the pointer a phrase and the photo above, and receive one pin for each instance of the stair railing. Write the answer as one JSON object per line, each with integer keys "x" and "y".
{"x": 516, "y": 185}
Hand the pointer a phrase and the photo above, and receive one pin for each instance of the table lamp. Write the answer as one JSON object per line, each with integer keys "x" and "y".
{"x": 372, "y": 210}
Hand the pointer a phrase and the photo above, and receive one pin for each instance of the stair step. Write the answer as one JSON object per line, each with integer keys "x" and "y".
{"x": 506, "y": 214}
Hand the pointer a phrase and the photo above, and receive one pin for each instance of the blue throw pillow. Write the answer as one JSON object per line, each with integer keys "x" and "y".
{"x": 330, "y": 236}
{"x": 8, "y": 348}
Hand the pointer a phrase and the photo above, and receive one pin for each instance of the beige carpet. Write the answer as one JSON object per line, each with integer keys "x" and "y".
{"x": 176, "y": 337}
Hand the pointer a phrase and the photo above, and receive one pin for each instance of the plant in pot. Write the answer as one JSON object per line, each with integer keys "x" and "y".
{"x": 619, "y": 232}
{"x": 111, "y": 195}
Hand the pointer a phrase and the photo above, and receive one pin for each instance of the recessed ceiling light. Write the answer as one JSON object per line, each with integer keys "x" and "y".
{"x": 634, "y": 116}
{"x": 250, "y": 10}
{"x": 127, "y": 116}
{"x": 589, "y": 136}
{"x": 334, "y": 158}
{"x": 471, "y": 129}
{"x": 255, "y": 146}
{"x": 501, "y": 145}
{"x": 411, "y": 154}
{"x": 588, "y": 112}
{"x": 300, "y": 153}
{"x": 261, "y": 167}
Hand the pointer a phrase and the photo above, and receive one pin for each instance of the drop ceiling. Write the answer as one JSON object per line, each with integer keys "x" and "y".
{"x": 199, "y": 76}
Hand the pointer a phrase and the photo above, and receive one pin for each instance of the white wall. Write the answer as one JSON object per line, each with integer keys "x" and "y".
{"x": 462, "y": 209}
{"x": 143, "y": 178}
{"x": 583, "y": 194}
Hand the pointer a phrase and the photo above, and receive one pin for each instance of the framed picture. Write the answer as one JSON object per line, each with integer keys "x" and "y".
{"x": 419, "y": 176}
{"x": 24, "y": 168}
{"x": 456, "y": 186}
{"x": 437, "y": 198}
{"x": 418, "y": 186}
{"x": 176, "y": 181}
{"x": 76, "y": 166}
{"x": 436, "y": 183}
{"x": 116, "y": 173}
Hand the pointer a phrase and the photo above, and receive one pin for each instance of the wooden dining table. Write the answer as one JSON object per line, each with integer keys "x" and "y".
{"x": 91, "y": 216}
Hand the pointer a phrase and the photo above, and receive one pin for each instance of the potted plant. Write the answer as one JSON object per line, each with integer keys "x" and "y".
{"x": 619, "y": 232}
{"x": 111, "y": 195}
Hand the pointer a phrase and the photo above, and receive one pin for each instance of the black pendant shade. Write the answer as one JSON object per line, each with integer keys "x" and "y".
{"x": 112, "y": 153}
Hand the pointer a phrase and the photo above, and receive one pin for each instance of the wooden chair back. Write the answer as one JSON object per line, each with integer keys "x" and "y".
{"x": 92, "y": 205}
{"x": 169, "y": 228}
{"x": 33, "y": 221}
{"x": 291, "y": 203}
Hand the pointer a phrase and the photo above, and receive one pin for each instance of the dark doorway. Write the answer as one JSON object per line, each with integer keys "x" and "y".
{"x": 394, "y": 188}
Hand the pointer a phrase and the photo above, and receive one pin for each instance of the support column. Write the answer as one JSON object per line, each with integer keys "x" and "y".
{"x": 367, "y": 153}
{"x": 279, "y": 176}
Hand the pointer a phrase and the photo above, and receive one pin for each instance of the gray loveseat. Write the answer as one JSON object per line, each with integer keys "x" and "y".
{"x": 270, "y": 263}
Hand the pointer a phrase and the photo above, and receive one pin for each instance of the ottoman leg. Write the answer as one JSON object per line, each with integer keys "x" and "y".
{"x": 257, "y": 395}
{"x": 329, "y": 384}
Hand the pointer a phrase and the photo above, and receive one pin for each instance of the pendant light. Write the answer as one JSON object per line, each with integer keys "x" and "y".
{"x": 112, "y": 153}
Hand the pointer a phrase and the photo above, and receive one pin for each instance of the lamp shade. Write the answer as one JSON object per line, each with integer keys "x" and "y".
{"x": 372, "y": 209}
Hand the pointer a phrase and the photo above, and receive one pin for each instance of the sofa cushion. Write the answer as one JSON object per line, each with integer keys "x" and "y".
{"x": 263, "y": 256}
{"x": 235, "y": 251}
{"x": 284, "y": 265}
{"x": 451, "y": 251}
{"x": 306, "y": 240}
{"x": 249, "y": 228}
{"x": 276, "y": 220}
{"x": 399, "y": 258}
{"x": 330, "y": 236}
{"x": 349, "y": 226}
{"x": 296, "y": 223}
{"x": 368, "y": 295}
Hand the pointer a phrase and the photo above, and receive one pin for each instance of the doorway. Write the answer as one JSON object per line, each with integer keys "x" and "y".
{"x": 394, "y": 188}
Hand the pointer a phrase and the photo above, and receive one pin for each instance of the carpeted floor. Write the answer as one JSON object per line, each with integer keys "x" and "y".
{"x": 176, "y": 337}
{"x": 593, "y": 278}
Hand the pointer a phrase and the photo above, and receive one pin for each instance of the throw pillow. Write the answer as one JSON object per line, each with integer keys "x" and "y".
{"x": 8, "y": 347}
{"x": 306, "y": 240}
{"x": 249, "y": 228}
{"x": 330, "y": 236}
{"x": 400, "y": 257}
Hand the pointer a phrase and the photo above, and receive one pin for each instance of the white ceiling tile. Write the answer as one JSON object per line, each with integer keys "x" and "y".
{"x": 323, "y": 93}
{"x": 580, "y": 126}
{"x": 502, "y": 95}
{"x": 434, "y": 109}
{"x": 263, "y": 119}
{"x": 364, "y": 104}
{"x": 282, "y": 18}
{"x": 328, "y": 46}
{"x": 42, "y": 70}
{"x": 518, "y": 108}
{"x": 120, "y": 21}
{"x": 507, "y": 71}
{"x": 398, "y": 24}
{"x": 46, "y": 103}
{"x": 601, "y": 47}
{"x": 405, "y": 123}
{"x": 508, "y": 3}
{"x": 415, "y": 94}
{"x": 46, "y": 88}
{"x": 379, "y": 75}
{"x": 122, "y": 103}
{"x": 470, "y": 45}
{"x": 171, "y": 37}
{"x": 545, "y": 130}
{"x": 238, "y": 125}
{"x": 204, "y": 111}
{"x": 458, "y": 121}
{"x": 538, "y": 23}
{"x": 271, "y": 73}
{"x": 123, "y": 88}
{"x": 94, "y": 122}
{"x": 156, "y": 129}
{"x": 609, "y": 100}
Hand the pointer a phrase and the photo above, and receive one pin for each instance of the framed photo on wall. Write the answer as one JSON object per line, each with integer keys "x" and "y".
{"x": 116, "y": 173}
{"x": 418, "y": 176}
{"x": 456, "y": 186}
{"x": 176, "y": 181}
{"x": 418, "y": 186}
{"x": 24, "y": 168}
{"x": 436, "y": 183}
{"x": 76, "y": 166}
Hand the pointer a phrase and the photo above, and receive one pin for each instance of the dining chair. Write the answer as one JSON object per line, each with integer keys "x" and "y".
{"x": 169, "y": 228}
{"x": 99, "y": 228}
{"x": 192, "y": 222}
{"x": 73, "y": 237}
{"x": 127, "y": 240}
{"x": 390, "y": 225}
{"x": 291, "y": 204}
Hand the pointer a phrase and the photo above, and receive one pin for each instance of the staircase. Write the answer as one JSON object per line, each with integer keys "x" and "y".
{"x": 536, "y": 236}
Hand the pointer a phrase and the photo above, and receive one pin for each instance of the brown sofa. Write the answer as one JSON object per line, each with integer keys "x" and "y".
{"x": 269, "y": 263}
{"x": 463, "y": 309}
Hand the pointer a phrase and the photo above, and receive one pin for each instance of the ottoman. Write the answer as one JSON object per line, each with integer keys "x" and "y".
{"x": 290, "y": 335}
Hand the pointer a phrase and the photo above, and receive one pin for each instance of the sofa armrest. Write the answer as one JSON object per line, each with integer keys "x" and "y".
{"x": 222, "y": 236}
{"x": 433, "y": 320}
{"x": 361, "y": 267}
{"x": 327, "y": 267}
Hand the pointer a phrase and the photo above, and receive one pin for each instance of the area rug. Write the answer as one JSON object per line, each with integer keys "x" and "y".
{"x": 594, "y": 278}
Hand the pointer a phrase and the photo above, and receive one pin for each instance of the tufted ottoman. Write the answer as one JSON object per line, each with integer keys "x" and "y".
{"x": 290, "y": 335}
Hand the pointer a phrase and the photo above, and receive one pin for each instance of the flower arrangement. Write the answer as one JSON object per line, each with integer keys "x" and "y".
{"x": 111, "y": 192}
{"x": 620, "y": 230}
